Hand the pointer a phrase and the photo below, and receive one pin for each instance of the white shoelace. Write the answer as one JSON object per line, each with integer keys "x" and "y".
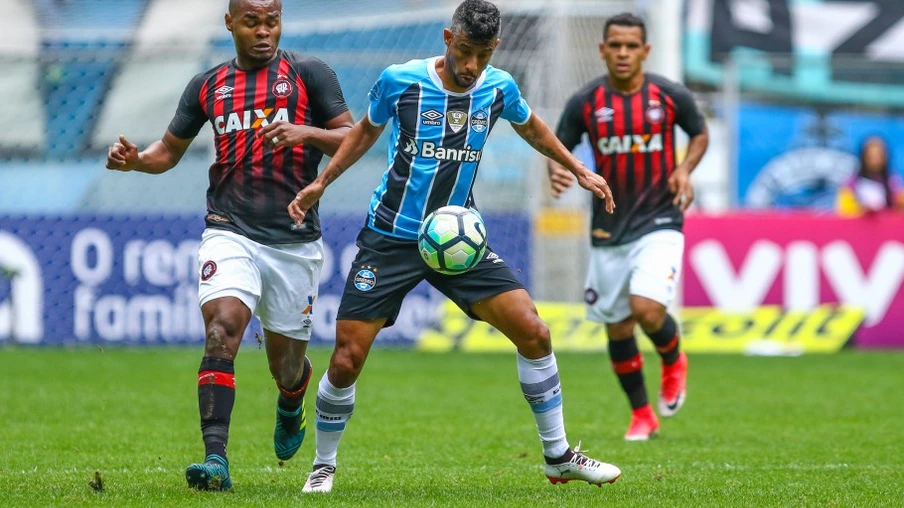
{"x": 582, "y": 460}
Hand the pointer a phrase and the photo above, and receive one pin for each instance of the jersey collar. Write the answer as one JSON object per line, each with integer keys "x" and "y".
{"x": 431, "y": 68}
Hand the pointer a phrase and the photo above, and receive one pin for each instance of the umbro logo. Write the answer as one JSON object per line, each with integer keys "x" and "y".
{"x": 496, "y": 259}
{"x": 223, "y": 92}
{"x": 604, "y": 114}
{"x": 431, "y": 117}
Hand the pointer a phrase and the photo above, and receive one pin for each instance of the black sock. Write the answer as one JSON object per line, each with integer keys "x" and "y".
{"x": 628, "y": 366}
{"x": 216, "y": 397}
{"x": 666, "y": 340}
{"x": 290, "y": 400}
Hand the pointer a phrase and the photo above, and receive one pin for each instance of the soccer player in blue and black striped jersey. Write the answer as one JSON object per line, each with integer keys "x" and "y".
{"x": 442, "y": 110}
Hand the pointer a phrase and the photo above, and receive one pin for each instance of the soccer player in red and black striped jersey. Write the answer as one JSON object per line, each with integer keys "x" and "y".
{"x": 274, "y": 115}
{"x": 630, "y": 117}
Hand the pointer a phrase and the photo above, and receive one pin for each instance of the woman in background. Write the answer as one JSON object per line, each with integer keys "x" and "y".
{"x": 873, "y": 188}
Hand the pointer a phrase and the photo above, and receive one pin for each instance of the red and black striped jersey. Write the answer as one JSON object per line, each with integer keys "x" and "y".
{"x": 251, "y": 184}
{"x": 633, "y": 138}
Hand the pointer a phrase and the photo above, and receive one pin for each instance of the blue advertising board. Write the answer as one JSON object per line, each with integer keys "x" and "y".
{"x": 797, "y": 157}
{"x": 134, "y": 279}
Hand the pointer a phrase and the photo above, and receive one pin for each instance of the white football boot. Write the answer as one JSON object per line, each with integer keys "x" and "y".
{"x": 582, "y": 468}
{"x": 320, "y": 480}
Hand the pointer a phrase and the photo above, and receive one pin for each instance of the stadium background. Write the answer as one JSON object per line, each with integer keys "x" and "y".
{"x": 93, "y": 256}
{"x": 93, "y": 259}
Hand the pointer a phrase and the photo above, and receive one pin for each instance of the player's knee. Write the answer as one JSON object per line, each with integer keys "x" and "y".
{"x": 286, "y": 371}
{"x": 537, "y": 338}
{"x": 623, "y": 330}
{"x": 345, "y": 365}
{"x": 650, "y": 317}
{"x": 222, "y": 338}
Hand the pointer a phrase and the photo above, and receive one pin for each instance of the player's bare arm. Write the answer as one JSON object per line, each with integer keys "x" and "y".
{"x": 327, "y": 140}
{"x": 159, "y": 157}
{"x": 359, "y": 140}
{"x": 542, "y": 139}
{"x": 680, "y": 181}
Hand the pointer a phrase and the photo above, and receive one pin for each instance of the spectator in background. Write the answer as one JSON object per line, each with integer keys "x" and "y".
{"x": 873, "y": 188}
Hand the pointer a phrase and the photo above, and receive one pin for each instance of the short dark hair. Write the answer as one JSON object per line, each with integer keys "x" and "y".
{"x": 479, "y": 20}
{"x": 626, "y": 19}
{"x": 234, "y": 5}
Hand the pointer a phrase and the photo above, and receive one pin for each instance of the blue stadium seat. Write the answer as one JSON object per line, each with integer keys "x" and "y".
{"x": 90, "y": 15}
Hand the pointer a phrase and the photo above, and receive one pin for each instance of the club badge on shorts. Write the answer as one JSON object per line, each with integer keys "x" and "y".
{"x": 365, "y": 280}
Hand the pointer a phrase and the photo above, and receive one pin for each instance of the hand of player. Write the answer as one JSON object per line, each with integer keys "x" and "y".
{"x": 560, "y": 179}
{"x": 281, "y": 133}
{"x": 598, "y": 186}
{"x": 680, "y": 184}
{"x": 122, "y": 156}
{"x": 304, "y": 200}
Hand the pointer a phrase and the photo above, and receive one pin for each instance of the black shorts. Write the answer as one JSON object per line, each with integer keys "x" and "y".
{"x": 386, "y": 269}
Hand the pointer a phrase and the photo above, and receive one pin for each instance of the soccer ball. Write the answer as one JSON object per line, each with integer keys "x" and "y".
{"x": 452, "y": 239}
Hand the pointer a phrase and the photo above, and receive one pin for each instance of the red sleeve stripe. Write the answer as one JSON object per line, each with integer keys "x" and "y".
{"x": 639, "y": 158}
{"x": 656, "y": 95}
{"x": 628, "y": 366}
{"x": 279, "y": 176}
{"x": 301, "y": 118}
{"x": 621, "y": 159}
{"x": 212, "y": 377}
{"x": 220, "y": 169}
{"x": 239, "y": 140}
{"x": 668, "y": 141}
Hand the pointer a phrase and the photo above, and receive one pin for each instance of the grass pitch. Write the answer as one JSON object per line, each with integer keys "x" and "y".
{"x": 454, "y": 430}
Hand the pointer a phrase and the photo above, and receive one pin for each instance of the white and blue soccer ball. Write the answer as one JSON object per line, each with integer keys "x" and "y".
{"x": 452, "y": 239}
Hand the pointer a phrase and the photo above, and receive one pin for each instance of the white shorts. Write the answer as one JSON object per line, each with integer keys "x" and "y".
{"x": 649, "y": 267}
{"x": 277, "y": 282}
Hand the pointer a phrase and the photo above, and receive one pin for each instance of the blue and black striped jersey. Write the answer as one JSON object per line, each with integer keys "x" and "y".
{"x": 437, "y": 140}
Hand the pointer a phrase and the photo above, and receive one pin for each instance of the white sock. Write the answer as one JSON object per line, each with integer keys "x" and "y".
{"x": 540, "y": 386}
{"x": 334, "y": 407}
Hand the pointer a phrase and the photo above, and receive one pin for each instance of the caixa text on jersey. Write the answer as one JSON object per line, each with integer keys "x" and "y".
{"x": 249, "y": 119}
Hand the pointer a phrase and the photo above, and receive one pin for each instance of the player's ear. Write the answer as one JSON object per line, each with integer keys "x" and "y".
{"x": 602, "y": 47}
{"x": 228, "y": 19}
{"x": 447, "y": 36}
{"x": 646, "y": 50}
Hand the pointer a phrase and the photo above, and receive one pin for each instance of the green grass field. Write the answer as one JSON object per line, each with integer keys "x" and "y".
{"x": 438, "y": 430}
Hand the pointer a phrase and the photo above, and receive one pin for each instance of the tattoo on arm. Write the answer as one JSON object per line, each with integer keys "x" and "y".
{"x": 534, "y": 139}
{"x": 336, "y": 173}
